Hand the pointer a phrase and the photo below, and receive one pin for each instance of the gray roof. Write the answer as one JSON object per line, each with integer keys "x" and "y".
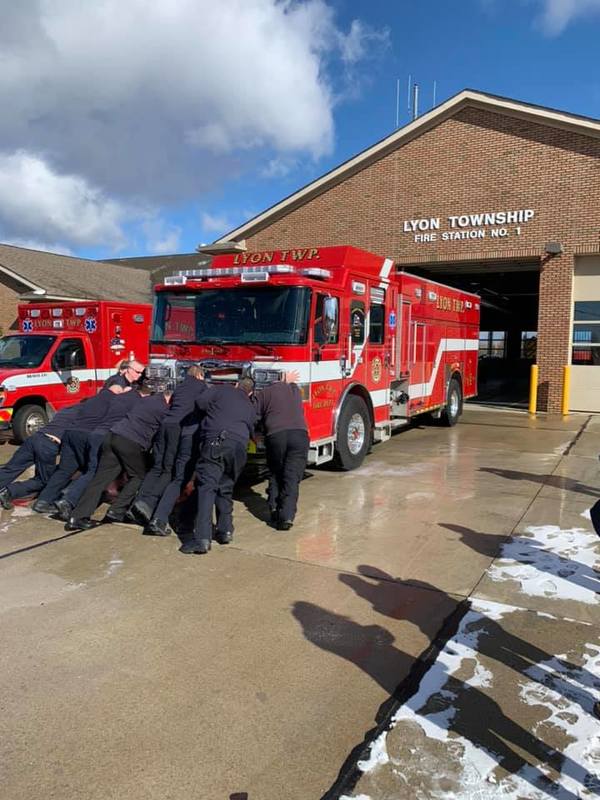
{"x": 159, "y": 267}
{"x": 66, "y": 277}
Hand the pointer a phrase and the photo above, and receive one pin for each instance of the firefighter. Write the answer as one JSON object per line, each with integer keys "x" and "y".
{"x": 228, "y": 424}
{"x": 167, "y": 440}
{"x": 183, "y": 472}
{"x": 40, "y": 451}
{"x": 125, "y": 449}
{"x": 81, "y": 447}
{"x": 129, "y": 373}
{"x": 281, "y": 410}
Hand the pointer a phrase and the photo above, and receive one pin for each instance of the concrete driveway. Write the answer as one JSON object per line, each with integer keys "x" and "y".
{"x": 263, "y": 670}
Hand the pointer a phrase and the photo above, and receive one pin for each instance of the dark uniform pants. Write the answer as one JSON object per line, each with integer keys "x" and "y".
{"x": 78, "y": 452}
{"x": 118, "y": 455}
{"x": 182, "y": 474}
{"x": 595, "y": 516}
{"x": 287, "y": 452}
{"x": 218, "y": 468}
{"x": 164, "y": 453}
{"x": 39, "y": 451}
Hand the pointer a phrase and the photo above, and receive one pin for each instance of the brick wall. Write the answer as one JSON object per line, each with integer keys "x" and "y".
{"x": 9, "y": 299}
{"x": 476, "y": 161}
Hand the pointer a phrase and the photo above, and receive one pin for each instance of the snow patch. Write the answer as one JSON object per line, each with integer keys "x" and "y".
{"x": 551, "y": 562}
{"x": 378, "y": 754}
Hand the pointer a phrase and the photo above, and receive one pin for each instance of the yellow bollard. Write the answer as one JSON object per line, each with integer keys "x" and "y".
{"x": 533, "y": 386}
{"x": 566, "y": 389}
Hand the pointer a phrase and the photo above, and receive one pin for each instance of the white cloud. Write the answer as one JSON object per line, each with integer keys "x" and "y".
{"x": 557, "y": 14}
{"x": 36, "y": 244}
{"x": 161, "y": 237}
{"x": 215, "y": 223}
{"x": 155, "y": 103}
{"x": 34, "y": 198}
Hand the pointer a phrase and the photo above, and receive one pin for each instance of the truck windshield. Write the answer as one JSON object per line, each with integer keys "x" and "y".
{"x": 267, "y": 314}
{"x": 23, "y": 352}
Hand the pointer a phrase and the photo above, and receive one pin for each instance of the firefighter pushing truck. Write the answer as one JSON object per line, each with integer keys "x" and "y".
{"x": 373, "y": 347}
{"x": 62, "y": 353}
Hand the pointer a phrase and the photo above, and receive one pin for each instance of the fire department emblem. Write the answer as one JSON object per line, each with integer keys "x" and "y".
{"x": 90, "y": 324}
{"x": 73, "y": 385}
{"x": 27, "y": 325}
{"x": 376, "y": 369}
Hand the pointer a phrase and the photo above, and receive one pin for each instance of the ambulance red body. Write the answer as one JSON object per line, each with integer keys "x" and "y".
{"x": 373, "y": 347}
{"x": 62, "y": 354}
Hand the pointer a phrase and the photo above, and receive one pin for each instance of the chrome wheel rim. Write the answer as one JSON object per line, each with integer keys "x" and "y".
{"x": 33, "y": 423}
{"x": 356, "y": 434}
{"x": 453, "y": 404}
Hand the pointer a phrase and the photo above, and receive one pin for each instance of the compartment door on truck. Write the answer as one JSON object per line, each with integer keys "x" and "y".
{"x": 73, "y": 364}
{"x": 378, "y": 348}
{"x": 325, "y": 365}
{"x": 403, "y": 328}
{"x": 418, "y": 357}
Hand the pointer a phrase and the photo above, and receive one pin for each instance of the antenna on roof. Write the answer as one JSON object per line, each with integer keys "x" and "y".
{"x": 408, "y": 93}
{"x": 415, "y": 100}
{"x": 434, "y": 92}
{"x": 397, "y": 103}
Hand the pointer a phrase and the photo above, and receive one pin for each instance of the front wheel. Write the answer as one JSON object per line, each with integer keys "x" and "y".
{"x": 454, "y": 402}
{"x": 353, "y": 434}
{"x": 27, "y": 420}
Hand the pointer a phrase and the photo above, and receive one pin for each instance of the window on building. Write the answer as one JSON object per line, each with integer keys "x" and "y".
{"x": 492, "y": 344}
{"x": 529, "y": 345}
{"x": 586, "y": 334}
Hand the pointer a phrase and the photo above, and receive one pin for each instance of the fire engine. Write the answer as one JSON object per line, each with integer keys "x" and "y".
{"x": 373, "y": 347}
{"x": 62, "y": 354}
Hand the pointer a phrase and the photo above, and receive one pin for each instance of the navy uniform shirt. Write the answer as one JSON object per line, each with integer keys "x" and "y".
{"x": 183, "y": 399}
{"x": 116, "y": 380}
{"x": 280, "y": 408}
{"x": 228, "y": 410}
{"x": 143, "y": 420}
{"x": 119, "y": 406}
{"x": 63, "y": 420}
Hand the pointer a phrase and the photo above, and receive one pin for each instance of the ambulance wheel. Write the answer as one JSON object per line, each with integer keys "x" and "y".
{"x": 454, "y": 402}
{"x": 27, "y": 420}
{"x": 353, "y": 434}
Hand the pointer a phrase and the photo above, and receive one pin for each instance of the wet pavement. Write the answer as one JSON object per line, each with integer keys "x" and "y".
{"x": 448, "y": 585}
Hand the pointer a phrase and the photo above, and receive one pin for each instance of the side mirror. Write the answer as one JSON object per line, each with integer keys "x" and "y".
{"x": 330, "y": 318}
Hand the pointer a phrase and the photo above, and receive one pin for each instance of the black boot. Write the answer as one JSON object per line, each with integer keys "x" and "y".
{"x": 109, "y": 517}
{"x": 156, "y": 527}
{"x": 83, "y": 524}
{"x": 200, "y": 546}
{"x": 5, "y": 499}
{"x": 42, "y": 507}
{"x": 65, "y": 509}
{"x": 224, "y": 538}
{"x": 284, "y": 524}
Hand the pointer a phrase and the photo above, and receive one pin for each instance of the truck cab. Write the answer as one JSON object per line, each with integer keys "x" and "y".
{"x": 62, "y": 354}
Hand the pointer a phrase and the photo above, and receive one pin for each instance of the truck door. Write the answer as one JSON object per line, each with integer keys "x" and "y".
{"x": 378, "y": 355}
{"x": 403, "y": 337}
{"x": 325, "y": 363}
{"x": 418, "y": 354}
{"x": 71, "y": 363}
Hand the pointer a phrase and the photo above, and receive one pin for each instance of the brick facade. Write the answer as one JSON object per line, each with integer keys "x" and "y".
{"x": 475, "y": 161}
{"x": 9, "y": 299}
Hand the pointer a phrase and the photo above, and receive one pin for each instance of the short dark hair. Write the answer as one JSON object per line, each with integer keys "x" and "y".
{"x": 246, "y": 384}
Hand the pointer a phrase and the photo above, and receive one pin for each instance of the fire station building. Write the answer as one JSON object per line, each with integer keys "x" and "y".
{"x": 490, "y": 195}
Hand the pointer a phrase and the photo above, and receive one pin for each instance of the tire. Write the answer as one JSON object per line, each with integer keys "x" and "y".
{"x": 454, "y": 404}
{"x": 354, "y": 434}
{"x": 27, "y": 420}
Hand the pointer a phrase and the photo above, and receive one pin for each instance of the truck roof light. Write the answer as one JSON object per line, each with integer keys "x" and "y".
{"x": 80, "y": 312}
{"x": 35, "y": 312}
{"x": 432, "y": 295}
{"x": 255, "y": 277}
{"x": 175, "y": 280}
{"x": 57, "y": 312}
{"x": 317, "y": 272}
{"x": 221, "y": 272}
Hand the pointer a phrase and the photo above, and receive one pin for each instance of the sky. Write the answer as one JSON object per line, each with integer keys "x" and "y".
{"x": 132, "y": 128}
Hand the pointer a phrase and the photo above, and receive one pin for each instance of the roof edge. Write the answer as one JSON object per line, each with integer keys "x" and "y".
{"x": 433, "y": 117}
{"x": 20, "y": 279}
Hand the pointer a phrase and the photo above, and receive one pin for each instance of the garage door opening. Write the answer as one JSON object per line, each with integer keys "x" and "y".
{"x": 509, "y": 317}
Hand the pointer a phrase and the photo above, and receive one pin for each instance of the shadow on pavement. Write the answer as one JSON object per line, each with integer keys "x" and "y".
{"x": 454, "y": 705}
{"x": 557, "y": 481}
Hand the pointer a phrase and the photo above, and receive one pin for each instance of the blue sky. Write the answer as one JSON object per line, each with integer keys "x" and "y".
{"x": 171, "y": 126}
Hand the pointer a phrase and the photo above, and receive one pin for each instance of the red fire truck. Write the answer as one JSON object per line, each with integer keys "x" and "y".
{"x": 62, "y": 353}
{"x": 373, "y": 347}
